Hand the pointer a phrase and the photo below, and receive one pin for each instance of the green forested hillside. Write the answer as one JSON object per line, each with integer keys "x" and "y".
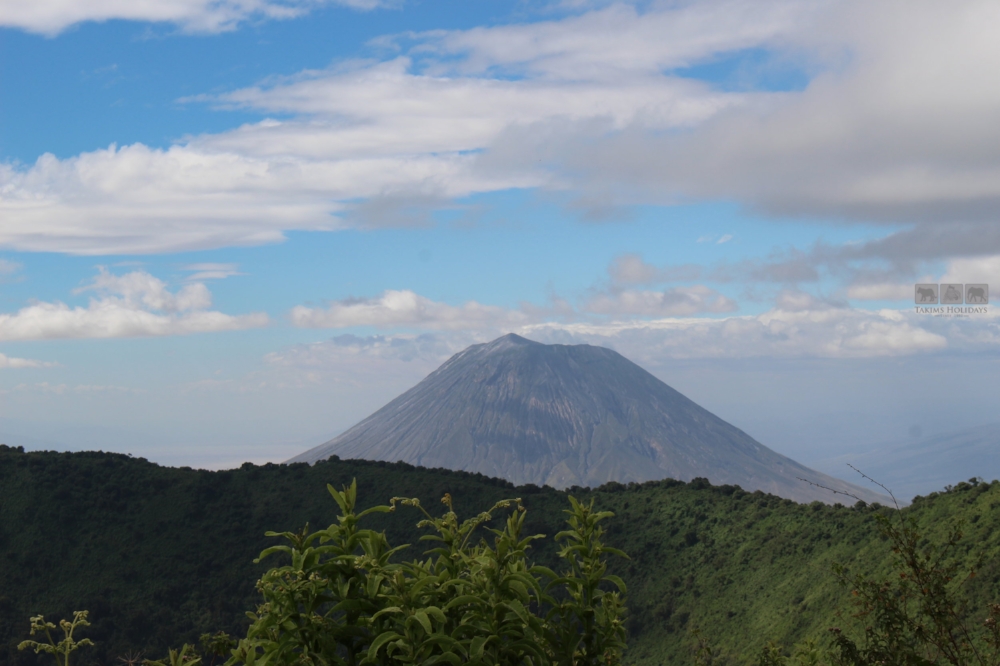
{"x": 160, "y": 555}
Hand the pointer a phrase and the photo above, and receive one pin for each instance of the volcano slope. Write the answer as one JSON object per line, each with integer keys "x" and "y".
{"x": 564, "y": 416}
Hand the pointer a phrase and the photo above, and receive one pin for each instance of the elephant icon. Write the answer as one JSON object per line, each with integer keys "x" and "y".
{"x": 975, "y": 294}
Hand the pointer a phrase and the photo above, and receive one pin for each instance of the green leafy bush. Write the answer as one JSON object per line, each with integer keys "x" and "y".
{"x": 340, "y": 599}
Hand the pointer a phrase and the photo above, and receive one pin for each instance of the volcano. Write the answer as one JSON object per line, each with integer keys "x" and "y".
{"x": 568, "y": 415}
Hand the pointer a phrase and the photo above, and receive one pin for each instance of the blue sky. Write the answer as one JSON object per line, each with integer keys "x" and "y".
{"x": 229, "y": 231}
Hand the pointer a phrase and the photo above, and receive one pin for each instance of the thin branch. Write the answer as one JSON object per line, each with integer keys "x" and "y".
{"x": 841, "y": 492}
{"x": 876, "y": 483}
{"x": 832, "y": 490}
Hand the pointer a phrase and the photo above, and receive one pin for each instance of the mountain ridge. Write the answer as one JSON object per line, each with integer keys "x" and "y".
{"x": 161, "y": 555}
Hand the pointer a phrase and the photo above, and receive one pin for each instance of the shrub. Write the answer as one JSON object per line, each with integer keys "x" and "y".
{"x": 340, "y": 599}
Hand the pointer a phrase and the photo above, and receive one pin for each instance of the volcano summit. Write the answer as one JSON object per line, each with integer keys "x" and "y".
{"x": 565, "y": 415}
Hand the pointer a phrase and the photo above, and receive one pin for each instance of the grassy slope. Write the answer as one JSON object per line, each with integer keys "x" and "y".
{"x": 745, "y": 568}
{"x": 159, "y": 555}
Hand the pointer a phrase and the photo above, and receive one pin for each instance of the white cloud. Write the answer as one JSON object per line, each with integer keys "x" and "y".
{"x": 791, "y": 300}
{"x": 962, "y": 270}
{"x": 618, "y": 41}
{"x": 799, "y": 325}
{"x": 9, "y": 267}
{"x": 887, "y": 132}
{"x": 631, "y": 268}
{"x": 393, "y": 108}
{"x": 822, "y": 331}
{"x": 350, "y": 359}
{"x": 50, "y": 17}
{"x": 829, "y": 332}
{"x": 401, "y": 347}
{"x": 405, "y": 308}
{"x": 11, "y": 362}
{"x": 587, "y": 105}
{"x": 135, "y": 199}
{"x": 974, "y": 270}
{"x": 141, "y": 290}
{"x": 366, "y": 132}
{"x": 724, "y": 239}
{"x": 210, "y": 271}
{"x": 674, "y": 302}
{"x": 130, "y": 305}
{"x": 881, "y": 291}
